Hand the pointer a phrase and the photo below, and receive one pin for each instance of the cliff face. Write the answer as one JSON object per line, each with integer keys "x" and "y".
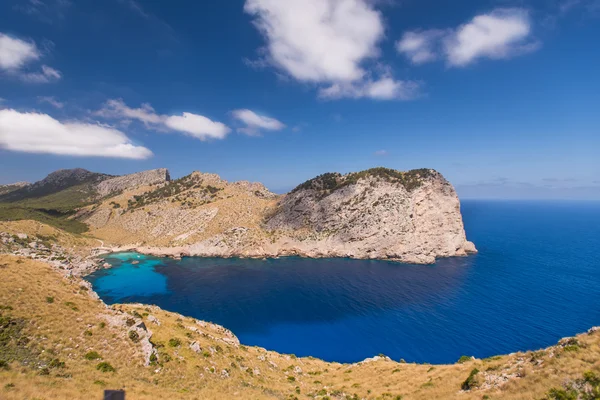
{"x": 384, "y": 214}
{"x": 380, "y": 214}
{"x": 131, "y": 181}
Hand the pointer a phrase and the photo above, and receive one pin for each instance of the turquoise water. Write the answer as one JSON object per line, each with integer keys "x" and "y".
{"x": 535, "y": 280}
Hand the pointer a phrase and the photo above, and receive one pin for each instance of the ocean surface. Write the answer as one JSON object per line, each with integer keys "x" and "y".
{"x": 535, "y": 280}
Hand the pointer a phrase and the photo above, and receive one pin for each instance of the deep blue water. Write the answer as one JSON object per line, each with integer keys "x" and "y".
{"x": 535, "y": 280}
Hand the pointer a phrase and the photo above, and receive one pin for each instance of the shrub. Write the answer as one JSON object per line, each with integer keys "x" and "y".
{"x": 174, "y": 342}
{"x": 291, "y": 379}
{"x": 561, "y": 394}
{"x": 92, "y": 355}
{"x": 4, "y": 365}
{"x": 134, "y": 336}
{"x": 87, "y": 333}
{"x": 105, "y": 367}
{"x": 464, "y": 359}
{"x": 56, "y": 363}
{"x": 471, "y": 382}
{"x": 49, "y": 299}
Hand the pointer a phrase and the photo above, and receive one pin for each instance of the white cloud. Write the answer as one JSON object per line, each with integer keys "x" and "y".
{"x": 16, "y": 54}
{"x": 318, "y": 40}
{"x": 197, "y": 126}
{"x": 421, "y": 46}
{"x": 51, "y": 100}
{"x": 384, "y": 88}
{"x": 326, "y": 42}
{"x": 40, "y": 133}
{"x": 381, "y": 153}
{"x": 190, "y": 124}
{"x": 116, "y": 108}
{"x": 255, "y": 122}
{"x": 502, "y": 33}
{"x": 47, "y": 75}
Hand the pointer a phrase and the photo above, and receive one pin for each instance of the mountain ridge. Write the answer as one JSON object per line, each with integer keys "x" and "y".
{"x": 379, "y": 213}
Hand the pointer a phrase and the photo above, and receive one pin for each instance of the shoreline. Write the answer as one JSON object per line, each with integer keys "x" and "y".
{"x": 178, "y": 253}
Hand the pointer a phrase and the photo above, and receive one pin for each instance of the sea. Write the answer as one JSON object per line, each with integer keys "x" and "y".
{"x": 535, "y": 280}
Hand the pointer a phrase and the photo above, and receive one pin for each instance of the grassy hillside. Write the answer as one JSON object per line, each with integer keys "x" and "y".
{"x": 52, "y": 200}
{"x": 57, "y": 341}
{"x": 18, "y": 212}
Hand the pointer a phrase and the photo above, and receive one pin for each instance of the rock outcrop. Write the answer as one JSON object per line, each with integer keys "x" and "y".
{"x": 120, "y": 183}
{"x": 11, "y": 187}
{"x": 375, "y": 214}
{"x": 385, "y": 214}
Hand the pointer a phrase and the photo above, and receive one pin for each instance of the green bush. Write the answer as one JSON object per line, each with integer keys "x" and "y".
{"x": 92, "y": 355}
{"x": 471, "y": 382}
{"x": 56, "y": 363}
{"x": 105, "y": 367}
{"x": 464, "y": 359}
{"x": 174, "y": 342}
{"x": 49, "y": 299}
{"x": 134, "y": 336}
{"x": 291, "y": 379}
{"x": 4, "y": 365}
{"x": 561, "y": 394}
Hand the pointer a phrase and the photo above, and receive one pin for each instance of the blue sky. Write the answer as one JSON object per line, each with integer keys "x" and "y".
{"x": 502, "y": 97}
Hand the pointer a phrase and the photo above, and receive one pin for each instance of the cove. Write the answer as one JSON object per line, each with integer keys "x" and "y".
{"x": 535, "y": 280}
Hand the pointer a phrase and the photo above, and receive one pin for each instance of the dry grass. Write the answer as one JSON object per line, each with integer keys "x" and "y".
{"x": 75, "y": 323}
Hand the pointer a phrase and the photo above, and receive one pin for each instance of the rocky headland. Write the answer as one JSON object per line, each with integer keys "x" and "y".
{"x": 380, "y": 213}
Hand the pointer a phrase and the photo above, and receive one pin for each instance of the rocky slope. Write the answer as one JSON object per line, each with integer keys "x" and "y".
{"x": 380, "y": 214}
{"x": 11, "y": 187}
{"x": 54, "y": 183}
{"x": 59, "y": 341}
{"x": 132, "y": 181}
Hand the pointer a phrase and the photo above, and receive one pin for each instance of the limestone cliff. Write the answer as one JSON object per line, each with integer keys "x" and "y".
{"x": 379, "y": 213}
{"x": 132, "y": 181}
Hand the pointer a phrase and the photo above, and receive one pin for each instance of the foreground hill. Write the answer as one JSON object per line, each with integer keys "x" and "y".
{"x": 59, "y": 341}
{"x": 380, "y": 213}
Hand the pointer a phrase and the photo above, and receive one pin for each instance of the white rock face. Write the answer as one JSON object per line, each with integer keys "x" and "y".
{"x": 412, "y": 217}
{"x": 375, "y": 217}
{"x": 124, "y": 182}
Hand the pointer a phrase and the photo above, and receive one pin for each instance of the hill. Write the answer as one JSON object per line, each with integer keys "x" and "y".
{"x": 381, "y": 213}
{"x": 59, "y": 341}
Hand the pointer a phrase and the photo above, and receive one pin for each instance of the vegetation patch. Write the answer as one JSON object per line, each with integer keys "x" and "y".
{"x": 92, "y": 355}
{"x": 471, "y": 382}
{"x": 105, "y": 367}
{"x": 328, "y": 183}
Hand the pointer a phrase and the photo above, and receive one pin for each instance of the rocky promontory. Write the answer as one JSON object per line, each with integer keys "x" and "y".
{"x": 380, "y": 213}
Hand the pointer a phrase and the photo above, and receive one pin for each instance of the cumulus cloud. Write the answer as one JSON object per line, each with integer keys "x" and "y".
{"x": 46, "y": 75}
{"x": 197, "y": 126}
{"x": 384, "y": 88}
{"x": 51, "y": 100}
{"x": 254, "y": 122}
{"x": 40, "y": 133}
{"x": 325, "y": 42}
{"x": 420, "y": 46}
{"x": 16, "y": 54}
{"x": 502, "y": 33}
{"x": 194, "y": 125}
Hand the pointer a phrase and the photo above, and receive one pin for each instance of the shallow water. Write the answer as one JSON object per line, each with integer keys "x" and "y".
{"x": 535, "y": 280}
